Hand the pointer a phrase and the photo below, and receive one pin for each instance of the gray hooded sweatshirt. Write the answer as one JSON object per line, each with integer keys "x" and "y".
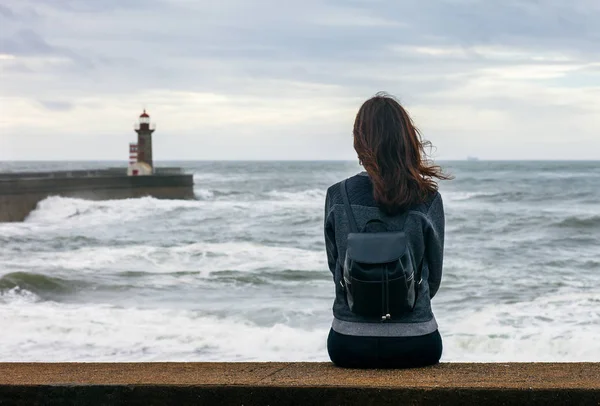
{"x": 424, "y": 229}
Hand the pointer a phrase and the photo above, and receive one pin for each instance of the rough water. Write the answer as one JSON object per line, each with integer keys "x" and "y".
{"x": 240, "y": 274}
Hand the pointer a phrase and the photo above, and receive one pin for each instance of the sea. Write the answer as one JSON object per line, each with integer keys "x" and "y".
{"x": 240, "y": 273}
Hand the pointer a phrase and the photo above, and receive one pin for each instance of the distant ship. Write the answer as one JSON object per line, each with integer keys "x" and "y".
{"x": 472, "y": 158}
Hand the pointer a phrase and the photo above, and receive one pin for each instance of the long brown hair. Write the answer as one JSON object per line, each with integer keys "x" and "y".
{"x": 393, "y": 153}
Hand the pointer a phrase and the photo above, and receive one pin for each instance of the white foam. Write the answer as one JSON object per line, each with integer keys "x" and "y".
{"x": 204, "y": 194}
{"x": 57, "y": 212}
{"x": 60, "y": 332}
{"x": 535, "y": 331}
{"x": 201, "y": 177}
{"x": 310, "y": 195}
{"x": 56, "y": 209}
{"x": 203, "y": 257}
{"x": 18, "y": 296}
{"x": 463, "y": 196}
{"x": 558, "y": 327}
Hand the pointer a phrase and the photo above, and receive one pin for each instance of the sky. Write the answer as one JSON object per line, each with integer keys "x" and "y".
{"x": 278, "y": 79}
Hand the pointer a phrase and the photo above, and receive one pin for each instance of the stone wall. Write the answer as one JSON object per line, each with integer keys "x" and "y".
{"x": 20, "y": 195}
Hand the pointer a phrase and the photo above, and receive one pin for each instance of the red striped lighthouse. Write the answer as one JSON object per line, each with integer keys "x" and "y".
{"x": 132, "y": 153}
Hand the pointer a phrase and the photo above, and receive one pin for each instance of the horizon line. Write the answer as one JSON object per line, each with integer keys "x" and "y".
{"x": 302, "y": 160}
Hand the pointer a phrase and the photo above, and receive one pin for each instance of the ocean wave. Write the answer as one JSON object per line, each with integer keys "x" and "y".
{"x": 591, "y": 264}
{"x": 463, "y": 196}
{"x": 103, "y": 333}
{"x": 204, "y": 194}
{"x": 558, "y": 327}
{"x": 58, "y": 209}
{"x": 310, "y": 195}
{"x": 517, "y": 196}
{"x": 17, "y": 296}
{"x": 512, "y": 195}
{"x": 258, "y": 278}
{"x": 71, "y": 212}
{"x": 205, "y": 176}
{"x": 201, "y": 257}
{"x": 579, "y": 222}
{"x": 42, "y": 286}
{"x": 226, "y": 177}
{"x": 288, "y": 276}
{"x": 223, "y": 195}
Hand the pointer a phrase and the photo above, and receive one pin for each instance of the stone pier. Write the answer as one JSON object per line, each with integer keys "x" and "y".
{"x": 21, "y": 192}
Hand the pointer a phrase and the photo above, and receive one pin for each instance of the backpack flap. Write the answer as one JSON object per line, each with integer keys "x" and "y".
{"x": 376, "y": 248}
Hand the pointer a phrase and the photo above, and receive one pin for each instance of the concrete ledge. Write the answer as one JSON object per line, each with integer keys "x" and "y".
{"x": 297, "y": 383}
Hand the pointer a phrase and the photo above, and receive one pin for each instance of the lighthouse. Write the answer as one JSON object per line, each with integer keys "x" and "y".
{"x": 144, "y": 145}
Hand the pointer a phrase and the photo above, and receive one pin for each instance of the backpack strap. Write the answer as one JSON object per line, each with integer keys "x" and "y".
{"x": 349, "y": 214}
{"x": 418, "y": 280}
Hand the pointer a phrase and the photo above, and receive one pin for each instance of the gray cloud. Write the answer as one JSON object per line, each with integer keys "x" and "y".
{"x": 5, "y": 12}
{"x": 503, "y": 60}
{"x": 26, "y": 42}
{"x": 90, "y": 6}
{"x": 55, "y": 105}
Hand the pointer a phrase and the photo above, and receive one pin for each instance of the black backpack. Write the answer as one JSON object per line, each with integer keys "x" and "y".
{"x": 379, "y": 276}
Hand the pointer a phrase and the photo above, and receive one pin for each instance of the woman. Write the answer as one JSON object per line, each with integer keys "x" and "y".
{"x": 396, "y": 194}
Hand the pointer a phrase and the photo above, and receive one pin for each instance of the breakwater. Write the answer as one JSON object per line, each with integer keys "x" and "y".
{"x": 298, "y": 384}
{"x": 21, "y": 192}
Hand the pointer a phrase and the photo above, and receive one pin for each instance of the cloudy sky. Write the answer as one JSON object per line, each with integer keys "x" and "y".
{"x": 278, "y": 79}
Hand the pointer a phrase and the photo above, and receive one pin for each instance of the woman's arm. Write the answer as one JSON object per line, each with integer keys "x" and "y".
{"x": 330, "y": 245}
{"x": 434, "y": 244}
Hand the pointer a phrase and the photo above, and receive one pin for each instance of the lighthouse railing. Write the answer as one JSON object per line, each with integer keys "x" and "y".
{"x": 151, "y": 126}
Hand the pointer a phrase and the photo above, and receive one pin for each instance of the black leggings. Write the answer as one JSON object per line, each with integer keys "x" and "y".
{"x": 384, "y": 352}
